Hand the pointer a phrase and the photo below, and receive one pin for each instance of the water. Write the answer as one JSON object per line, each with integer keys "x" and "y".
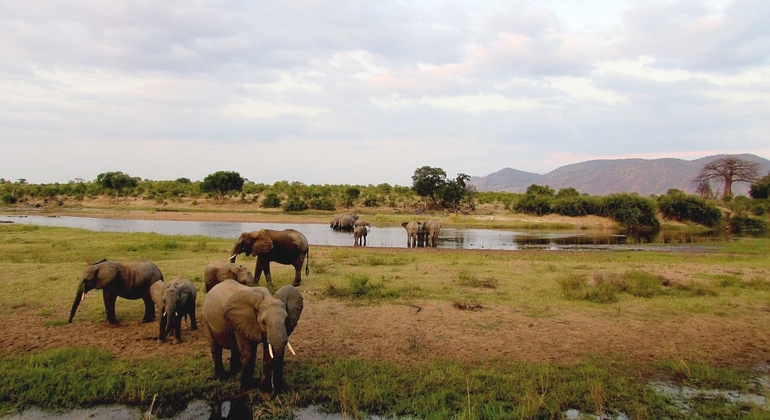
{"x": 391, "y": 237}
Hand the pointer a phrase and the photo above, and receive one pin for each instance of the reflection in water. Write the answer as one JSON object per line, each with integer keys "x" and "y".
{"x": 392, "y": 237}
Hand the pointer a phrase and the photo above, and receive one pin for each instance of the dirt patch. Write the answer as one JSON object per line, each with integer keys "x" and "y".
{"x": 427, "y": 330}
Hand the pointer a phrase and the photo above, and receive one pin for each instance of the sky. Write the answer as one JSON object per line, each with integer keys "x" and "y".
{"x": 365, "y": 92}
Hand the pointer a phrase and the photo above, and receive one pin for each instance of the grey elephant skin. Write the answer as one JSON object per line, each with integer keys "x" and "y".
{"x": 344, "y": 221}
{"x": 282, "y": 246}
{"x": 218, "y": 271}
{"x": 239, "y": 318}
{"x": 359, "y": 235}
{"x": 414, "y": 234}
{"x": 431, "y": 229}
{"x": 175, "y": 300}
{"x": 129, "y": 280}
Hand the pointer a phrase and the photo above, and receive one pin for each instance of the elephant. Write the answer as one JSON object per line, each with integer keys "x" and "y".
{"x": 238, "y": 318}
{"x": 218, "y": 270}
{"x": 360, "y": 222}
{"x": 344, "y": 221}
{"x": 413, "y": 232}
{"x": 359, "y": 235}
{"x": 175, "y": 300}
{"x": 431, "y": 229}
{"x": 130, "y": 280}
{"x": 284, "y": 247}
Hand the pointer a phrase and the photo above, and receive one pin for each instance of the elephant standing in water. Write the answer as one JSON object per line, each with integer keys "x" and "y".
{"x": 359, "y": 235}
{"x": 239, "y": 318}
{"x": 130, "y": 280}
{"x": 345, "y": 221}
{"x": 284, "y": 247}
{"x": 218, "y": 271}
{"x": 175, "y": 300}
{"x": 431, "y": 229}
{"x": 413, "y": 232}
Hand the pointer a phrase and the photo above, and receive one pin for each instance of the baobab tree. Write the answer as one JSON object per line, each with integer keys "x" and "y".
{"x": 728, "y": 170}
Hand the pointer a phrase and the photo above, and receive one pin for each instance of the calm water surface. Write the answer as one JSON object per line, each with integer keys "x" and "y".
{"x": 449, "y": 238}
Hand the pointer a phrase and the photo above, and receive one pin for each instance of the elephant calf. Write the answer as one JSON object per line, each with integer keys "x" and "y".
{"x": 130, "y": 280}
{"x": 218, "y": 271}
{"x": 175, "y": 300}
{"x": 359, "y": 236}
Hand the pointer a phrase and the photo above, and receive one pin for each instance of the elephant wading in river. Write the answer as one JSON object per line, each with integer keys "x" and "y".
{"x": 431, "y": 228}
{"x": 282, "y": 246}
{"x": 359, "y": 235}
{"x": 218, "y": 271}
{"x": 345, "y": 221}
{"x": 130, "y": 280}
{"x": 175, "y": 300}
{"x": 413, "y": 231}
{"x": 238, "y": 318}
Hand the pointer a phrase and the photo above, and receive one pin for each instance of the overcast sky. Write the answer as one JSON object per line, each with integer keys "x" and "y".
{"x": 365, "y": 92}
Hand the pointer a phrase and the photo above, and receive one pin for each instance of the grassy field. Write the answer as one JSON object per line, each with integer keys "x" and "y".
{"x": 453, "y": 297}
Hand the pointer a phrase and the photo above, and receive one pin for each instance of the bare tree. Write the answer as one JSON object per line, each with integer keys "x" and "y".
{"x": 728, "y": 170}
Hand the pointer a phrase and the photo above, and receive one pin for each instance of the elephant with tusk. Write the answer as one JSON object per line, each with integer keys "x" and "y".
{"x": 239, "y": 318}
{"x": 130, "y": 280}
{"x": 175, "y": 300}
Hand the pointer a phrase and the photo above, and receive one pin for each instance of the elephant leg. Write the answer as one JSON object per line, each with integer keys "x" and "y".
{"x": 178, "y": 330}
{"x": 248, "y": 350}
{"x": 216, "y": 354}
{"x": 258, "y": 271}
{"x": 297, "y": 274}
{"x": 109, "y": 305}
{"x": 266, "y": 382}
{"x": 162, "y": 330}
{"x": 268, "y": 277}
{"x": 149, "y": 309}
{"x": 193, "y": 321}
{"x": 235, "y": 362}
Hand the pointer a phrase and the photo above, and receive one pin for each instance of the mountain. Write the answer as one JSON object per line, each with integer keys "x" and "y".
{"x": 607, "y": 176}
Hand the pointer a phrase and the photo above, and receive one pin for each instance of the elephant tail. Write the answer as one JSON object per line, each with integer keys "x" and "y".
{"x": 307, "y": 263}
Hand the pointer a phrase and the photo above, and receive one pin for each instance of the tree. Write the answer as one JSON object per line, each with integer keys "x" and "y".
{"x": 728, "y": 170}
{"x": 455, "y": 191}
{"x": 429, "y": 182}
{"x": 222, "y": 183}
{"x": 761, "y": 188}
{"x": 116, "y": 181}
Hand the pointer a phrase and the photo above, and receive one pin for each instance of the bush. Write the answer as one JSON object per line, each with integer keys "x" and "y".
{"x": 370, "y": 201}
{"x": 743, "y": 223}
{"x": 630, "y": 210}
{"x": 8, "y": 199}
{"x": 575, "y": 205}
{"x": 271, "y": 200}
{"x": 536, "y": 204}
{"x": 676, "y": 205}
{"x": 759, "y": 209}
{"x": 321, "y": 203}
{"x": 295, "y": 204}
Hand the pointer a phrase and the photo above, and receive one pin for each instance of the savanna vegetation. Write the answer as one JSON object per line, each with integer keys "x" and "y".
{"x": 422, "y": 333}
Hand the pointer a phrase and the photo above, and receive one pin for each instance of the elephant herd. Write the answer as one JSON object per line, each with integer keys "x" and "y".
{"x": 418, "y": 234}
{"x": 237, "y": 314}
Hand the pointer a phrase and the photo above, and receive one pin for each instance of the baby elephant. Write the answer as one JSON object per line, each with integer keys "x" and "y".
{"x": 359, "y": 236}
{"x": 175, "y": 300}
{"x": 218, "y": 271}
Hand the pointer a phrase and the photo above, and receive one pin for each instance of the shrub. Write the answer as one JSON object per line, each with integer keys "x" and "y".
{"x": 744, "y": 223}
{"x": 630, "y": 210}
{"x": 8, "y": 199}
{"x": 271, "y": 200}
{"x": 370, "y": 201}
{"x": 321, "y": 203}
{"x": 575, "y": 205}
{"x": 759, "y": 209}
{"x": 295, "y": 204}
{"x": 643, "y": 284}
{"x": 534, "y": 204}
{"x": 676, "y": 205}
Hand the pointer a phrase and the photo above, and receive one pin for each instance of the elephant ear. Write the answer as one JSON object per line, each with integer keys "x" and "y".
{"x": 242, "y": 310}
{"x": 105, "y": 273}
{"x": 262, "y": 244}
{"x": 156, "y": 293}
{"x": 292, "y": 297}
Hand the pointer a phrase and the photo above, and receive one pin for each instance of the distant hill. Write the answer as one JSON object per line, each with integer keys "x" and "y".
{"x": 607, "y": 176}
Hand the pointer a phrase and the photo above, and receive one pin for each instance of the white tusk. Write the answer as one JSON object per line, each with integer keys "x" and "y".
{"x": 290, "y": 349}
{"x": 233, "y": 256}
{"x": 164, "y": 313}
{"x": 270, "y": 349}
{"x": 83, "y": 296}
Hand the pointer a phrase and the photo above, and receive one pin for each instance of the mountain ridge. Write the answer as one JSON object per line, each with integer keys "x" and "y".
{"x": 608, "y": 176}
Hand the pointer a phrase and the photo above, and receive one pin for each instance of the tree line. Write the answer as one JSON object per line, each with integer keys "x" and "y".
{"x": 432, "y": 190}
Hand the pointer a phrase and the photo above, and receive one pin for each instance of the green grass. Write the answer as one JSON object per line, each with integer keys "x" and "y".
{"x": 40, "y": 266}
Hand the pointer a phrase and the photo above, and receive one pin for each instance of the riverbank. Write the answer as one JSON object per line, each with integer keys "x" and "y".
{"x": 486, "y": 216}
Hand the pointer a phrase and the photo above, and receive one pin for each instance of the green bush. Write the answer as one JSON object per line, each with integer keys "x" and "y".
{"x": 534, "y": 204}
{"x": 630, "y": 210}
{"x": 575, "y": 205}
{"x": 295, "y": 204}
{"x": 643, "y": 284}
{"x": 744, "y": 223}
{"x": 677, "y": 205}
{"x": 271, "y": 201}
{"x": 8, "y": 199}
{"x": 759, "y": 209}
{"x": 370, "y": 201}
{"x": 322, "y": 203}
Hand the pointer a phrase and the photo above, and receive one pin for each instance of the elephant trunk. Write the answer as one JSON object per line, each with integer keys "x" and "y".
{"x": 278, "y": 344}
{"x": 78, "y": 298}
{"x": 234, "y": 253}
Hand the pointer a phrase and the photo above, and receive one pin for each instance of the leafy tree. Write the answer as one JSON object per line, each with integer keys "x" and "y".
{"x": 455, "y": 191}
{"x": 678, "y": 205}
{"x": 630, "y": 210}
{"x": 429, "y": 182}
{"x": 116, "y": 181}
{"x": 728, "y": 170}
{"x": 535, "y": 189}
{"x": 761, "y": 188}
{"x": 271, "y": 200}
{"x": 222, "y": 183}
{"x": 183, "y": 180}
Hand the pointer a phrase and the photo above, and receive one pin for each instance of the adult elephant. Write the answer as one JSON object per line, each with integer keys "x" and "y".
{"x": 130, "y": 280}
{"x": 431, "y": 228}
{"x": 238, "y": 318}
{"x": 218, "y": 271}
{"x": 344, "y": 221}
{"x": 413, "y": 231}
{"x": 284, "y": 247}
{"x": 175, "y": 300}
{"x": 359, "y": 235}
